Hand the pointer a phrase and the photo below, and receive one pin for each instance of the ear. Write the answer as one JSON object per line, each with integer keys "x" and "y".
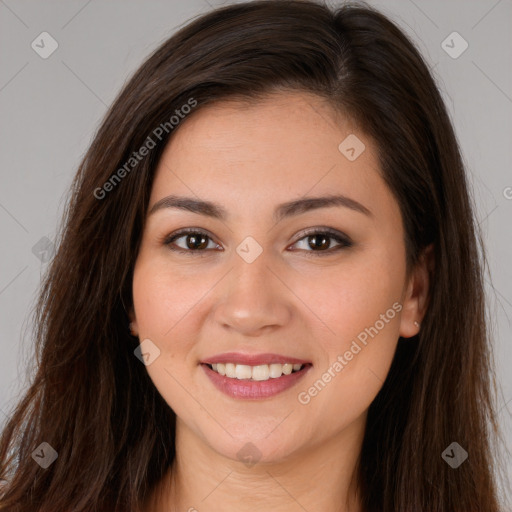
{"x": 415, "y": 300}
{"x": 134, "y": 328}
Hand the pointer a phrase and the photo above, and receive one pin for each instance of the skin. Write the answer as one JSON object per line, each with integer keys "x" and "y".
{"x": 251, "y": 158}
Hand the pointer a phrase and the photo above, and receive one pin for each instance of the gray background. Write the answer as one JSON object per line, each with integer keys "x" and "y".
{"x": 50, "y": 108}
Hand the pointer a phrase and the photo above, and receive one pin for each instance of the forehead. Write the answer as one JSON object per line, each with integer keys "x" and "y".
{"x": 250, "y": 156}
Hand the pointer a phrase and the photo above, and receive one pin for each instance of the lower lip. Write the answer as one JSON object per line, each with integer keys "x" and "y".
{"x": 254, "y": 389}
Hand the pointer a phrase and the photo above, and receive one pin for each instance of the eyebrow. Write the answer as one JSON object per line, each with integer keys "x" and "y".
{"x": 282, "y": 211}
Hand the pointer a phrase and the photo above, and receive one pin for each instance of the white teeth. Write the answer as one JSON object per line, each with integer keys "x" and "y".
{"x": 287, "y": 368}
{"x": 275, "y": 370}
{"x": 242, "y": 371}
{"x": 260, "y": 372}
{"x": 230, "y": 370}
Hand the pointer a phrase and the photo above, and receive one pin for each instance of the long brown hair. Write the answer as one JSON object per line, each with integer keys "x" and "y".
{"x": 92, "y": 400}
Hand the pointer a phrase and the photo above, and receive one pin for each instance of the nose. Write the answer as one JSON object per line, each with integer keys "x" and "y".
{"x": 253, "y": 299}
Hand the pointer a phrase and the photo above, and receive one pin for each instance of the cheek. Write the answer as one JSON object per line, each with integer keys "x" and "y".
{"x": 360, "y": 305}
{"x": 162, "y": 304}
{"x": 163, "y": 297}
{"x": 353, "y": 296}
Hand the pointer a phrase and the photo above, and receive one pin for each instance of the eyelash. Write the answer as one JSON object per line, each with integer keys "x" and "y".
{"x": 344, "y": 241}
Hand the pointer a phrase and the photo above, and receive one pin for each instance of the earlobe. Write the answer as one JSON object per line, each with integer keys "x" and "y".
{"x": 417, "y": 296}
{"x": 132, "y": 326}
{"x": 133, "y": 329}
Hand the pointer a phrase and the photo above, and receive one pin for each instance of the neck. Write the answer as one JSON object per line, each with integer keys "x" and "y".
{"x": 320, "y": 477}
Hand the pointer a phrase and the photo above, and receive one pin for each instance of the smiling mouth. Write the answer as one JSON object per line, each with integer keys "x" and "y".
{"x": 259, "y": 373}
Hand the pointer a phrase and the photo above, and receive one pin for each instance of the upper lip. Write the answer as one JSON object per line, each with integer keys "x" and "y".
{"x": 252, "y": 359}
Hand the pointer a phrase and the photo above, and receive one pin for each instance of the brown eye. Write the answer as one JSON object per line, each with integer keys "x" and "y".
{"x": 193, "y": 241}
{"x": 320, "y": 242}
{"x": 196, "y": 242}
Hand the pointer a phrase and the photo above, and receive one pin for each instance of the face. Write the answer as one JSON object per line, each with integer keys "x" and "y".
{"x": 323, "y": 287}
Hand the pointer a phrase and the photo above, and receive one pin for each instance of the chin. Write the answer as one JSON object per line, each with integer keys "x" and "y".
{"x": 253, "y": 447}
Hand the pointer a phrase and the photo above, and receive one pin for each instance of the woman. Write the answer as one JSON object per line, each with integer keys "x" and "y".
{"x": 268, "y": 292}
